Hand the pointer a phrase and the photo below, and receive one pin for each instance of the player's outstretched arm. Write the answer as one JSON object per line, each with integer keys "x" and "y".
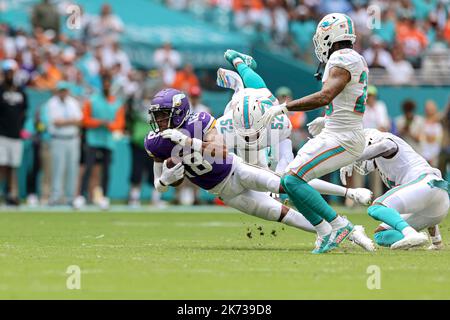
{"x": 335, "y": 83}
{"x": 386, "y": 148}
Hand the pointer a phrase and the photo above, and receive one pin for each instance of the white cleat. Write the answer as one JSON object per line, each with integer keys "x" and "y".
{"x": 438, "y": 246}
{"x": 360, "y": 195}
{"x": 229, "y": 79}
{"x": 414, "y": 239}
{"x": 359, "y": 237}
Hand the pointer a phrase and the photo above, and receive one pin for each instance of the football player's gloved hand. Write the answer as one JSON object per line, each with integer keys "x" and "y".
{"x": 346, "y": 172}
{"x": 171, "y": 175}
{"x": 316, "y": 126}
{"x": 360, "y": 195}
{"x": 176, "y": 136}
{"x": 272, "y": 112}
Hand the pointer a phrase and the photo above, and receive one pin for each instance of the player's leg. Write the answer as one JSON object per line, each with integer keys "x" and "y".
{"x": 250, "y": 78}
{"x": 256, "y": 178}
{"x": 410, "y": 208}
{"x": 263, "y": 206}
{"x": 319, "y": 156}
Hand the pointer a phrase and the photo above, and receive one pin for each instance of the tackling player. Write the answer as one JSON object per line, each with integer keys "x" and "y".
{"x": 267, "y": 147}
{"x": 418, "y": 197}
{"x": 341, "y": 142}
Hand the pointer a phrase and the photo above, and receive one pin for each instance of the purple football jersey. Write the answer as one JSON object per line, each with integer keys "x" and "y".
{"x": 205, "y": 172}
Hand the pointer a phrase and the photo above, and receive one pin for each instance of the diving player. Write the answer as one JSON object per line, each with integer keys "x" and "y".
{"x": 193, "y": 138}
{"x": 418, "y": 196}
{"x": 341, "y": 142}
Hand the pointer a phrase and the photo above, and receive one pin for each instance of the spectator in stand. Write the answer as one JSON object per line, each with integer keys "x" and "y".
{"x": 302, "y": 30}
{"x": 432, "y": 134}
{"x": 103, "y": 114}
{"x": 105, "y": 27}
{"x": 376, "y": 115}
{"x": 386, "y": 31}
{"x": 412, "y": 40}
{"x": 195, "y": 99}
{"x": 377, "y": 56}
{"x": 41, "y": 160}
{"x": 50, "y": 76}
{"x": 64, "y": 119}
{"x": 410, "y": 125}
{"x": 400, "y": 71}
{"x": 248, "y": 14}
{"x": 13, "y": 107}
{"x": 185, "y": 79}
{"x": 45, "y": 16}
{"x": 113, "y": 55}
{"x": 276, "y": 20}
{"x": 167, "y": 60}
{"x": 444, "y": 156}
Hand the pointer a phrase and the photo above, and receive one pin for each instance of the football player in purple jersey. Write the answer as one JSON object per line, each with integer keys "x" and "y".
{"x": 176, "y": 132}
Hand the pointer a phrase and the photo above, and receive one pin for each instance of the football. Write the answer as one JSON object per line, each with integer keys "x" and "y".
{"x": 172, "y": 162}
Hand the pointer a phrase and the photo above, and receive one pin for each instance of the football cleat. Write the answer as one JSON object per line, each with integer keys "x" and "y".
{"x": 359, "y": 237}
{"x": 229, "y": 79}
{"x": 230, "y": 55}
{"x": 414, "y": 239}
{"x": 338, "y": 236}
{"x": 321, "y": 243}
{"x": 438, "y": 246}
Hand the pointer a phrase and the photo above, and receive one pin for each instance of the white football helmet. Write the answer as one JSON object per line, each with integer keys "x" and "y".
{"x": 332, "y": 28}
{"x": 246, "y": 115}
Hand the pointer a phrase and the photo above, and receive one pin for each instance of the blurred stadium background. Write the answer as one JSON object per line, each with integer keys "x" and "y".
{"x": 148, "y": 44}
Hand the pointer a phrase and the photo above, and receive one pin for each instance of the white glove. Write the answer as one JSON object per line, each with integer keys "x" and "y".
{"x": 176, "y": 136}
{"x": 171, "y": 175}
{"x": 271, "y": 113}
{"x": 316, "y": 126}
{"x": 360, "y": 195}
{"x": 346, "y": 172}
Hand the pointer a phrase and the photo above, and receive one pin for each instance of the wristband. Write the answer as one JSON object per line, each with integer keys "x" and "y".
{"x": 197, "y": 145}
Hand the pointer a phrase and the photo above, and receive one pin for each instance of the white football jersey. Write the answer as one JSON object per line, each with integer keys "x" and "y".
{"x": 405, "y": 166}
{"x": 344, "y": 114}
{"x": 280, "y": 130}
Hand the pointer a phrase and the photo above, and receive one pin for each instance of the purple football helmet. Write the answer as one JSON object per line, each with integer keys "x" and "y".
{"x": 169, "y": 105}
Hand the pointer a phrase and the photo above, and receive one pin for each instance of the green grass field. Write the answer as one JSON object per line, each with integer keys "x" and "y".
{"x": 200, "y": 255}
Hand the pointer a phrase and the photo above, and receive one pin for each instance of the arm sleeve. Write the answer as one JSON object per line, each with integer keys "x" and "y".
{"x": 88, "y": 120}
{"x": 385, "y": 147}
{"x": 286, "y": 155}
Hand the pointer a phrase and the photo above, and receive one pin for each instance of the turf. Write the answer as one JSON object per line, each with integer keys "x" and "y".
{"x": 204, "y": 255}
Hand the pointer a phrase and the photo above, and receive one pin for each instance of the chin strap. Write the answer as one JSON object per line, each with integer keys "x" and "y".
{"x": 319, "y": 72}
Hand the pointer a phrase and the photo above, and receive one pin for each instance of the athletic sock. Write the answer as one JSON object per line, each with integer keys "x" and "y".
{"x": 250, "y": 78}
{"x": 389, "y": 216}
{"x": 386, "y": 238}
{"x": 307, "y": 200}
{"x": 338, "y": 223}
{"x": 297, "y": 220}
{"x": 323, "y": 228}
{"x": 408, "y": 230}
